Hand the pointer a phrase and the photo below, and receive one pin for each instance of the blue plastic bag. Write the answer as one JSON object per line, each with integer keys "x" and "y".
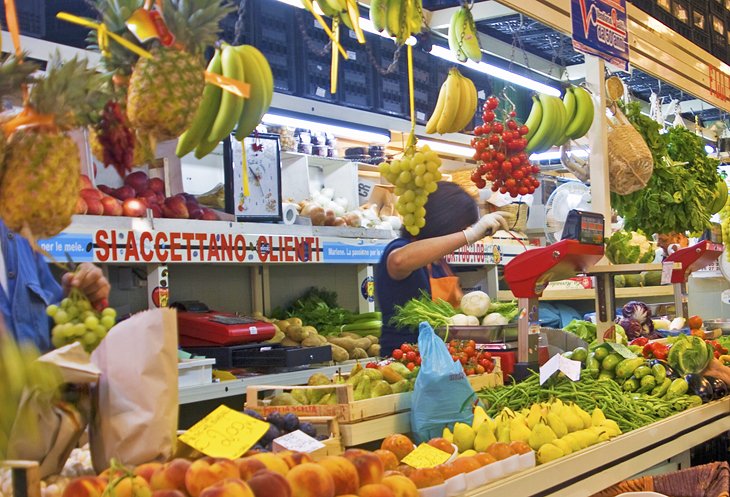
{"x": 442, "y": 395}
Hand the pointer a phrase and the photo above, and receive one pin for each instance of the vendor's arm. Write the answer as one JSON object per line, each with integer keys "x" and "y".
{"x": 403, "y": 261}
{"x": 717, "y": 370}
{"x": 91, "y": 281}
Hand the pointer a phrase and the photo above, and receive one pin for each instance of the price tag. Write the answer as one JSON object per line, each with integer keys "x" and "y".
{"x": 296, "y": 441}
{"x": 557, "y": 363}
{"x": 426, "y": 456}
{"x": 420, "y": 115}
{"x": 320, "y": 92}
{"x": 351, "y": 55}
{"x": 225, "y": 433}
{"x": 667, "y": 268}
{"x": 621, "y": 350}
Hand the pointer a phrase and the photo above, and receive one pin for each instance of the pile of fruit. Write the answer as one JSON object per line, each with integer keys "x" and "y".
{"x": 553, "y": 122}
{"x": 456, "y": 105}
{"x": 75, "y": 320}
{"x": 281, "y": 424}
{"x": 463, "y": 36}
{"x": 399, "y": 18}
{"x": 474, "y": 361}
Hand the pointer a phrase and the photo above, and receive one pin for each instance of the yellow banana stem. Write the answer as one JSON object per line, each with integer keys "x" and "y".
{"x": 354, "y": 13}
{"x": 308, "y": 5}
{"x": 334, "y": 67}
{"x": 411, "y": 98}
{"x": 244, "y": 165}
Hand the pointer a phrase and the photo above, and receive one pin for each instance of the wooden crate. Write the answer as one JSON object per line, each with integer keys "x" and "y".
{"x": 486, "y": 380}
{"x": 375, "y": 429}
{"x": 347, "y": 409}
{"x": 26, "y": 477}
{"x": 326, "y": 425}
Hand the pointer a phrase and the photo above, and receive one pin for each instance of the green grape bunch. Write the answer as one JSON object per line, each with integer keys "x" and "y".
{"x": 77, "y": 321}
{"x": 415, "y": 176}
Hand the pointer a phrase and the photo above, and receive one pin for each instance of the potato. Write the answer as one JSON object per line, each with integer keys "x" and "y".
{"x": 374, "y": 350}
{"x": 295, "y": 321}
{"x": 373, "y": 339}
{"x": 322, "y": 340}
{"x": 347, "y": 334}
{"x": 358, "y": 353}
{"x": 277, "y": 338}
{"x": 311, "y": 341}
{"x": 288, "y": 342}
{"x": 338, "y": 353}
{"x": 310, "y": 329}
{"x": 296, "y": 333}
{"x": 283, "y": 324}
{"x": 346, "y": 343}
{"x": 363, "y": 343}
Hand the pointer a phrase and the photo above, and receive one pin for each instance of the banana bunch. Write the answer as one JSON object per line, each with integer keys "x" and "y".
{"x": 399, "y": 18}
{"x": 553, "y": 121}
{"x": 345, "y": 10}
{"x": 456, "y": 105}
{"x": 463, "y": 36}
{"x": 214, "y": 198}
{"x": 220, "y": 112}
{"x": 20, "y": 369}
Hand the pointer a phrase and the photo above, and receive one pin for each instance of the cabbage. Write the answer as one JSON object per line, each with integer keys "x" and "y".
{"x": 638, "y": 311}
{"x": 689, "y": 354}
{"x": 629, "y": 247}
{"x": 632, "y": 327}
{"x": 475, "y": 303}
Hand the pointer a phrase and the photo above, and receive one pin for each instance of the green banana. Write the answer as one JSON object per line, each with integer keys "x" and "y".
{"x": 327, "y": 9}
{"x": 336, "y": 5}
{"x": 268, "y": 75}
{"x": 468, "y": 37}
{"x": 583, "y": 120}
{"x": 415, "y": 16}
{"x": 570, "y": 104}
{"x": 533, "y": 120}
{"x": 544, "y": 130}
{"x": 254, "y": 109}
{"x": 204, "y": 116}
{"x": 379, "y": 14}
{"x": 393, "y": 23}
{"x": 231, "y": 105}
{"x": 205, "y": 147}
{"x": 454, "y": 40}
{"x": 560, "y": 123}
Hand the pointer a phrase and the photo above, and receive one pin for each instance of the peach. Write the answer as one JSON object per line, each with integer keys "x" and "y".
{"x": 402, "y": 486}
{"x": 375, "y": 490}
{"x": 465, "y": 464}
{"x": 448, "y": 471}
{"x": 133, "y": 486}
{"x": 392, "y": 472}
{"x": 248, "y": 466}
{"x": 500, "y": 450}
{"x": 147, "y": 469}
{"x": 94, "y": 207}
{"x": 112, "y": 206}
{"x": 400, "y": 445}
{"x": 520, "y": 447}
{"x": 85, "y": 486}
{"x": 426, "y": 477}
{"x": 310, "y": 480}
{"x": 343, "y": 473}
{"x": 230, "y": 487}
{"x": 81, "y": 206}
{"x": 441, "y": 444}
{"x": 272, "y": 462}
{"x": 404, "y": 469}
{"x": 86, "y": 182}
{"x": 390, "y": 461}
{"x": 369, "y": 466}
{"x": 207, "y": 471}
{"x": 294, "y": 458}
{"x": 267, "y": 483}
{"x": 484, "y": 458}
{"x": 168, "y": 493}
{"x": 171, "y": 476}
{"x": 88, "y": 193}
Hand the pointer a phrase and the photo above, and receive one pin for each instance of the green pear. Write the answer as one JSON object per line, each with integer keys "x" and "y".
{"x": 541, "y": 434}
{"x": 548, "y": 452}
{"x": 300, "y": 395}
{"x": 464, "y": 436}
{"x": 518, "y": 430}
{"x": 557, "y": 425}
{"x": 485, "y": 437}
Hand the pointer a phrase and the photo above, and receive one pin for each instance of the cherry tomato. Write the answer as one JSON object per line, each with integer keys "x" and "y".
{"x": 406, "y": 347}
{"x": 397, "y": 354}
{"x": 478, "y": 131}
{"x": 530, "y": 189}
{"x": 488, "y": 117}
{"x": 463, "y": 358}
{"x": 469, "y": 371}
{"x": 523, "y": 130}
{"x": 480, "y": 184}
{"x": 418, "y": 360}
{"x": 695, "y": 322}
{"x": 494, "y": 187}
{"x": 471, "y": 343}
{"x": 492, "y": 103}
{"x": 499, "y": 157}
{"x": 512, "y": 125}
{"x": 494, "y": 139}
{"x": 455, "y": 357}
{"x": 410, "y": 366}
{"x": 510, "y": 182}
{"x": 535, "y": 169}
{"x": 512, "y": 113}
{"x": 507, "y": 166}
{"x": 480, "y": 369}
{"x": 523, "y": 190}
{"x": 410, "y": 356}
{"x": 469, "y": 351}
{"x": 503, "y": 190}
{"x": 372, "y": 365}
{"x": 490, "y": 367}
{"x": 518, "y": 174}
{"x": 486, "y": 128}
{"x": 498, "y": 128}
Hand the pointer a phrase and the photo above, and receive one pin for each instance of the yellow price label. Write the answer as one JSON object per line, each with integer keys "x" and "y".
{"x": 426, "y": 456}
{"x": 225, "y": 433}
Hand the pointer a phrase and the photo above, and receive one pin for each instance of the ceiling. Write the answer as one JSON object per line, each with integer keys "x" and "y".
{"x": 528, "y": 38}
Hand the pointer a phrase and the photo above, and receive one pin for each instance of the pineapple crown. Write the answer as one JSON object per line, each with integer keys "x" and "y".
{"x": 71, "y": 91}
{"x": 114, "y": 14}
{"x": 14, "y": 72}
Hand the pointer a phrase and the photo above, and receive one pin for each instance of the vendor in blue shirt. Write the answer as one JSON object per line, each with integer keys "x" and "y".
{"x": 27, "y": 287}
{"x": 410, "y": 264}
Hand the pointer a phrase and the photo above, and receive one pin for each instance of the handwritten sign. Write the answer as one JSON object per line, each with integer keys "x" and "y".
{"x": 667, "y": 268}
{"x": 621, "y": 350}
{"x": 225, "y": 433}
{"x": 426, "y": 456}
{"x": 297, "y": 441}
{"x": 557, "y": 363}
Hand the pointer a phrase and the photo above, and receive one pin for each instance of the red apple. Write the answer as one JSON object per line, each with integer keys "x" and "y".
{"x": 86, "y": 182}
{"x": 106, "y": 189}
{"x": 157, "y": 185}
{"x": 134, "y": 207}
{"x": 81, "y": 206}
{"x": 124, "y": 192}
{"x": 112, "y": 206}
{"x": 94, "y": 207}
{"x": 137, "y": 180}
{"x": 87, "y": 193}
{"x": 156, "y": 210}
{"x": 149, "y": 196}
{"x": 209, "y": 215}
{"x": 160, "y": 198}
{"x": 174, "y": 207}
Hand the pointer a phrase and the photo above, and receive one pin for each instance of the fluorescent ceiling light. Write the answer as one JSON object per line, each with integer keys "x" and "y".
{"x": 497, "y": 72}
{"x": 554, "y": 155}
{"x": 448, "y": 148}
{"x": 341, "y": 131}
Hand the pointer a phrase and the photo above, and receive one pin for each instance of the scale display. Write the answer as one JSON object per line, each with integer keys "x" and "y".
{"x": 585, "y": 227}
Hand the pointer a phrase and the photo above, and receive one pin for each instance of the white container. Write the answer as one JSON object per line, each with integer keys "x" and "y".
{"x": 476, "y": 478}
{"x": 456, "y": 485}
{"x": 527, "y": 461}
{"x": 192, "y": 372}
{"x": 303, "y": 175}
{"x": 493, "y": 471}
{"x": 435, "y": 491}
{"x": 454, "y": 454}
{"x": 511, "y": 464}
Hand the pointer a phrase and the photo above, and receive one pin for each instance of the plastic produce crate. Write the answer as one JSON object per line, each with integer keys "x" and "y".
{"x": 275, "y": 34}
{"x": 645, "y": 5}
{"x": 391, "y": 91}
{"x": 315, "y": 58}
{"x": 357, "y": 74}
{"x": 701, "y": 24}
{"x": 31, "y": 17}
{"x": 193, "y": 372}
{"x": 424, "y": 84}
{"x": 264, "y": 356}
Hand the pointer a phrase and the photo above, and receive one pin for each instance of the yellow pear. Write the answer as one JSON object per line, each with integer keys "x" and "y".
{"x": 534, "y": 416}
{"x": 480, "y": 416}
{"x": 447, "y": 434}
{"x": 467, "y": 453}
{"x": 563, "y": 445}
{"x": 557, "y": 425}
{"x": 584, "y": 416}
{"x": 503, "y": 433}
{"x": 556, "y": 406}
{"x": 485, "y": 437}
{"x": 548, "y": 452}
{"x": 571, "y": 419}
{"x": 463, "y": 437}
{"x": 541, "y": 434}
{"x": 518, "y": 431}
{"x": 572, "y": 441}
{"x": 597, "y": 417}
{"x": 602, "y": 433}
{"x": 585, "y": 438}
{"x": 611, "y": 427}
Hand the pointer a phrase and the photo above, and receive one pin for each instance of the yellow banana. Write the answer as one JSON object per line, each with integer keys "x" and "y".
{"x": 393, "y": 23}
{"x": 231, "y": 105}
{"x": 204, "y": 116}
{"x": 583, "y": 119}
{"x": 415, "y": 17}
{"x": 432, "y": 124}
{"x": 457, "y": 18}
{"x": 533, "y": 120}
{"x": 254, "y": 109}
{"x": 467, "y": 36}
{"x": 353, "y": 12}
{"x": 268, "y": 75}
{"x": 451, "y": 106}
{"x": 327, "y": 9}
{"x": 468, "y": 104}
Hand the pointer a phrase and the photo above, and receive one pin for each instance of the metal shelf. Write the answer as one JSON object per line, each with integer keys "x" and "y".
{"x": 628, "y": 268}
{"x": 591, "y": 470}
{"x": 590, "y": 294}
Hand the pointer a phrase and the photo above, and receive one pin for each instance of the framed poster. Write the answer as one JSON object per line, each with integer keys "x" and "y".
{"x": 256, "y": 178}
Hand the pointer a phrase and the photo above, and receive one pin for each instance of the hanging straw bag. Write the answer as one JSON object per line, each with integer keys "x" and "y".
{"x": 630, "y": 163}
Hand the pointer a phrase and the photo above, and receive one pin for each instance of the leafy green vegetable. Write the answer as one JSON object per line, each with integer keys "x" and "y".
{"x": 415, "y": 311}
{"x": 507, "y": 309}
{"x": 689, "y": 354}
{"x": 676, "y": 197}
{"x": 318, "y": 308}
{"x": 585, "y": 330}
{"x": 629, "y": 247}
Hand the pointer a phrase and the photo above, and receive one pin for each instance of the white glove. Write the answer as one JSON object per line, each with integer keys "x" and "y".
{"x": 487, "y": 225}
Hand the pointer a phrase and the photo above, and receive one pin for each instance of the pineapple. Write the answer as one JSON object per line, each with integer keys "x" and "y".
{"x": 40, "y": 187}
{"x": 164, "y": 91}
{"x": 13, "y": 74}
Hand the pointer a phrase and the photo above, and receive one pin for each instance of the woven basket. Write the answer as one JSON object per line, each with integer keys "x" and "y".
{"x": 630, "y": 163}
{"x": 708, "y": 480}
{"x": 463, "y": 179}
{"x": 519, "y": 211}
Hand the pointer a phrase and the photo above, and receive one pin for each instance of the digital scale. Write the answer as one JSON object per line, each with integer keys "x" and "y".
{"x": 529, "y": 273}
{"x": 692, "y": 259}
{"x": 199, "y": 326}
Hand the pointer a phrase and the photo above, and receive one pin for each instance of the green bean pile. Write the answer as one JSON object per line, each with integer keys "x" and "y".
{"x": 629, "y": 410}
